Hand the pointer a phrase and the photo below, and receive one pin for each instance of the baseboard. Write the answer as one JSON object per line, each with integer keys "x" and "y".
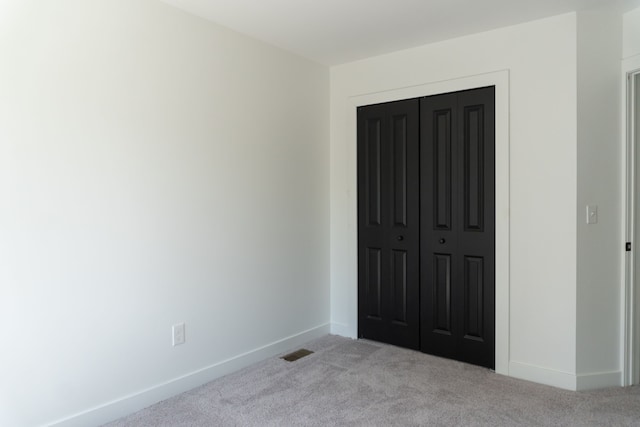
{"x": 541, "y": 375}
{"x": 126, "y": 405}
{"x": 342, "y": 330}
{"x": 598, "y": 380}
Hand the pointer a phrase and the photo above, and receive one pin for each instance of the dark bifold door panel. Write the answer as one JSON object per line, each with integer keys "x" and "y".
{"x": 458, "y": 226}
{"x": 388, "y": 223}
{"x": 426, "y": 224}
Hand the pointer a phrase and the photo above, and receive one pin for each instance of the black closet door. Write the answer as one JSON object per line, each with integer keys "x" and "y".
{"x": 457, "y": 244}
{"x": 388, "y": 223}
{"x": 426, "y": 224}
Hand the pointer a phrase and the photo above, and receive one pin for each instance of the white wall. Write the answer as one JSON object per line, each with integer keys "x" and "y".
{"x": 631, "y": 33}
{"x": 600, "y": 246}
{"x": 155, "y": 169}
{"x": 541, "y": 60}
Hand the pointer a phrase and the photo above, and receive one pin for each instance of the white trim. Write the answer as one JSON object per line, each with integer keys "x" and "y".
{"x": 537, "y": 374}
{"x": 499, "y": 79}
{"x": 128, "y": 404}
{"x": 630, "y": 334}
{"x": 598, "y": 380}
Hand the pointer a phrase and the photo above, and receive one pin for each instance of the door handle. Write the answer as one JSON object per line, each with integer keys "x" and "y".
{"x": 442, "y": 241}
{"x": 400, "y": 238}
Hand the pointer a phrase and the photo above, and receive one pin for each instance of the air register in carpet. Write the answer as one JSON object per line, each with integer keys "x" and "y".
{"x": 298, "y": 354}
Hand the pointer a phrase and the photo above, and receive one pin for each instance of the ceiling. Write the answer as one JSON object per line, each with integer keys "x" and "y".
{"x": 333, "y": 32}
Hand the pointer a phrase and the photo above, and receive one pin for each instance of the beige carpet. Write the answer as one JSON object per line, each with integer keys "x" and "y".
{"x": 363, "y": 383}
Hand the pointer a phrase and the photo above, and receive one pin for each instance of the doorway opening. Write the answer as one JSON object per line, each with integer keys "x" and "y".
{"x": 632, "y": 261}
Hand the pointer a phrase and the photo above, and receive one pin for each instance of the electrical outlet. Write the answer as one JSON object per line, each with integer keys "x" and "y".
{"x": 178, "y": 334}
{"x": 592, "y": 214}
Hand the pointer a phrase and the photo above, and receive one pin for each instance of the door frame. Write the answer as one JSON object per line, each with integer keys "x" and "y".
{"x": 499, "y": 79}
{"x": 631, "y": 288}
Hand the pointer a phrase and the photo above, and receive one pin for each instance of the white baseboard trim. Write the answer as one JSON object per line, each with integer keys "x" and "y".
{"x": 599, "y": 380}
{"x": 541, "y": 375}
{"x": 134, "y": 402}
{"x": 342, "y": 330}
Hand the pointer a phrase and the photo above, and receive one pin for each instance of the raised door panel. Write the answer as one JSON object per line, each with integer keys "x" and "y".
{"x": 442, "y": 294}
{"x": 473, "y": 168}
{"x": 373, "y": 171}
{"x": 473, "y": 285}
{"x": 399, "y": 169}
{"x": 442, "y": 169}
{"x": 399, "y": 287}
{"x": 373, "y": 283}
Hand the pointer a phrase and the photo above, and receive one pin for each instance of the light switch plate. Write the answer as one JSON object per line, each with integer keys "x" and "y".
{"x": 592, "y": 214}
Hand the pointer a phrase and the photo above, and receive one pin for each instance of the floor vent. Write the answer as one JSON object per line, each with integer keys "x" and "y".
{"x": 298, "y": 354}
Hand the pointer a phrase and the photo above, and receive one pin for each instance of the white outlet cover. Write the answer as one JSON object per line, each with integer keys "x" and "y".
{"x": 178, "y": 334}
